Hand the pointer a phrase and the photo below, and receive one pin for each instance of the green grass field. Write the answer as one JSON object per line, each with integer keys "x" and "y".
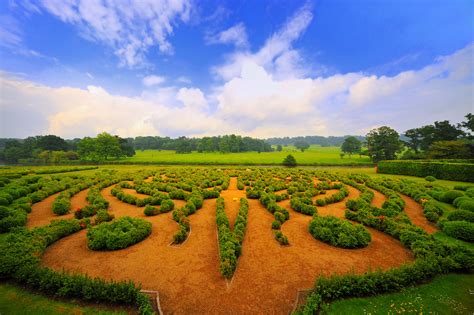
{"x": 449, "y": 294}
{"x": 15, "y": 300}
{"x": 315, "y": 155}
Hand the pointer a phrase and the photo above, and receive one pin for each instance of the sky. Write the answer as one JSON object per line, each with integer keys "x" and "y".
{"x": 272, "y": 68}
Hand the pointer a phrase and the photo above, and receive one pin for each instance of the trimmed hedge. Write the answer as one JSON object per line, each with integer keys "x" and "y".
{"x": 339, "y": 233}
{"x": 118, "y": 234}
{"x": 462, "y": 230}
{"x": 441, "y": 170}
{"x": 20, "y": 260}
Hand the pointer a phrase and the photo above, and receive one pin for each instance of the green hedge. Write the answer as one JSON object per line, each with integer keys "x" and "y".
{"x": 441, "y": 170}
{"x": 20, "y": 260}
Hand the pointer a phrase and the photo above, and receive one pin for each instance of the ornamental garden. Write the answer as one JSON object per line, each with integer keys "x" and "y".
{"x": 211, "y": 240}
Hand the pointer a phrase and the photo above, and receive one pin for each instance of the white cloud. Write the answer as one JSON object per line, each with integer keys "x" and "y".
{"x": 129, "y": 27}
{"x": 277, "y": 55}
{"x": 184, "y": 80}
{"x": 235, "y": 35}
{"x": 253, "y": 103}
{"x": 152, "y": 80}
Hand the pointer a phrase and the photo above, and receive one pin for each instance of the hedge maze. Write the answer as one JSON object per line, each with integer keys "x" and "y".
{"x": 236, "y": 207}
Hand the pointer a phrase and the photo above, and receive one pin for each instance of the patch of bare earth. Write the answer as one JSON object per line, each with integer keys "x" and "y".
{"x": 379, "y": 198}
{"x": 187, "y": 276}
{"x": 415, "y": 212}
{"x": 42, "y": 212}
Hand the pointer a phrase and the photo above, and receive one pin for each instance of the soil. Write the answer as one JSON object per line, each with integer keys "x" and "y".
{"x": 42, "y": 212}
{"x": 379, "y": 198}
{"x": 187, "y": 276}
{"x": 415, "y": 212}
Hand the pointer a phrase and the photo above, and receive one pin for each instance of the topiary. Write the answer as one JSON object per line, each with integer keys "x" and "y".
{"x": 459, "y": 229}
{"x": 451, "y": 195}
{"x": 339, "y": 233}
{"x": 430, "y": 178}
{"x": 461, "y": 215}
{"x": 150, "y": 210}
{"x": 467, "y": 205}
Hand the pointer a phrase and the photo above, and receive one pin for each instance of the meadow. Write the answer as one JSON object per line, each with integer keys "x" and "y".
{"x": 210, "y": 240}
{"x": 315, "y": 155}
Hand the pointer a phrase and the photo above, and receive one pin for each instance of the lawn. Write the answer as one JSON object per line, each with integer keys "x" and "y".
{"x": 315, "y": 155}
{"x": 448, "y": 294}
{"x": 15, "y": 300}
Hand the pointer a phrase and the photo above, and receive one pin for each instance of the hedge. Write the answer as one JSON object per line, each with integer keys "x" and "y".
{"x": 441, "y": 170}
{"x": 20, "y": 260}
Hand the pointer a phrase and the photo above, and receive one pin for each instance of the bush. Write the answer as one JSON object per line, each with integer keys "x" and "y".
{"x": 289, "y": 161}
{"x": 430, "y": 178}
{"x": 461, "y": 215}
{"x": 470, "y": 192}
{"x": 459, "y": 229}
{"x": 61, "y": 205}
{"x": 103, "y": 216}
{"x": 281, "y": 238}
{"x": 439, "y": 169}
{"x": 467, "y": 205}
{"x": 339, "y": 233}
{"x": 451, "y": 195}
{"x": 167, "y": 205}
{"x": 150, "y": 211}
{"x": 118, "y": 234}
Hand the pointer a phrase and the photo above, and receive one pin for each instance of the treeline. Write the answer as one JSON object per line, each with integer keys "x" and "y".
{"x": 226, "y": 144}
{"x": 322, "y": 141}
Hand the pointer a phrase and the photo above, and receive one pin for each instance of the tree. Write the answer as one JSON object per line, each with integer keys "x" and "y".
{"x": 107, "y": 145}
{"x": 87, "y": 148}
{"x": 301, "y": 145}
{"x": 183, "y": 145}
{"x": 51, "y": 143}
{"x": 351, "y": 145}
{"x": 415, "y": 137}
{"x": 126, "y": 146}
{"x": 279, "y": 148}
{"x": 289, "y": 161}
{"x": 469, "y": 125}
{"x": 457, "y": 149}
{"x": 383, "y": 143}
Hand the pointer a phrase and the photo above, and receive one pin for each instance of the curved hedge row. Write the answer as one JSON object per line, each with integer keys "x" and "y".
{"x": 441, "y": 170}
{"x": 118, "y": 234}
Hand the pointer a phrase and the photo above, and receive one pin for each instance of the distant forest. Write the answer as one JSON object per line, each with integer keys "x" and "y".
{"x": 322, "y": 141}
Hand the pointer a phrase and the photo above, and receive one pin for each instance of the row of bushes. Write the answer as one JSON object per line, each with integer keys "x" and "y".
{"x": 442, "y": 170}
{"x": 20, "y": 260}
{"x": 281, "y": 215}
{"x": 230, "y": 242}
{"x": 194, "y": 203}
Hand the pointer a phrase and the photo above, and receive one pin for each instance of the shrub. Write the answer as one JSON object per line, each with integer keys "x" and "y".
{"x": 461, "y": 215}
{"x": 459, "y": 229}
{"x": 458, "y": 200}
{"x": 430, "y": 178}
{"x": 467, "y": 205}
{"x": 338, "y": 232}
{"x": 150, "y": 211}
{"x": 118, "y": 234}
{"x": 289, "y": 161}
{"x": 451, "y": 195}
{"x": 470, "y": 192}
{"x": 103, "y": 216}
{"x": 167, "y": 205}
{"x": 61, "y": 205}
{"x": 281, "y": 238}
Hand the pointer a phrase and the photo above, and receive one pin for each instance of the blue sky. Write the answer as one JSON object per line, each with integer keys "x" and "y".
{"x": 259, "y": 68}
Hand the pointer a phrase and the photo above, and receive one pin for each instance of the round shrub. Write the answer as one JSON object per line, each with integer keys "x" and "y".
{"x": 461, "y": 215}
{"x": 118, "y": 234}
{"x": 430, "y": 178}
{"x": 467, "y": 205}
{"x": 459, "y": 229}
{"x": 103, "y": 216}
{"x": 470, "y": 192}
{"x": 167, "y": 205}
{"x": 450, "y": 195}
{"x": 150, "y": 211}
{"x": 61, "y": 206}
{"x": 339, "y": 233}
{"x": 4, "y": 201}
{"x": 458, "y": 200}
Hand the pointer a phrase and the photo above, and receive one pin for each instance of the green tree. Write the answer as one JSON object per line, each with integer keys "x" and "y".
{"x": 415, "y": 137}
{"x": 383, "y": 143}
{"x": 87, "y": 148}
{"x": 107, "y": 146}
{"x": 51, "y": 143}
{"x": 351, "y": 146}
{"x": 469, "y": 125}
{"x": 457, "y": 149}
{"x": 289, "y": 161}
{"x": 183, "y": 145}
{"x": 301, "y": 145}
{"x": 279, "y": 148}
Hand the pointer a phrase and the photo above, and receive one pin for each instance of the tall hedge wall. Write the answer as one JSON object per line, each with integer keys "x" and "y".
{"x": 441, "y": 170}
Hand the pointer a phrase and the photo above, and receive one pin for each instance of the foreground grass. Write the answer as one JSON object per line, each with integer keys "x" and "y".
{"x": 15, "y": 300}
{"x": 315, "y": 155}
{"x": 448, "y": 294}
